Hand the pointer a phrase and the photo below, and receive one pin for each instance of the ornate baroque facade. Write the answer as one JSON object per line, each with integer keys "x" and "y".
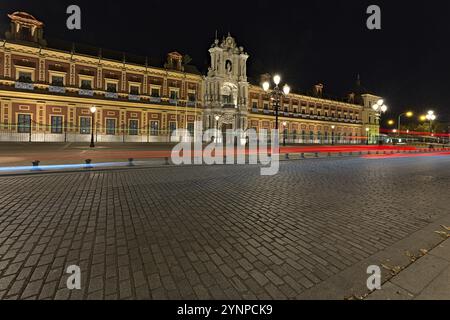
{"x": 46, "y": 95}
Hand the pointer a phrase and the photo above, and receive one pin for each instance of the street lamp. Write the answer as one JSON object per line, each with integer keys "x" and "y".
{"x": 391, "y": 122}
{"x": 217, "y": 117}
{"x": 379, "y": 108}
{"x": 332, "y": 134}
{"x": 93, "y": 111}
{"x": 276, "y": 94}
{"x": 409, "y": 114}
{"x": 367, "y": 131}
{"x": 431, "y": 117}
{"x": 284, "y": 133}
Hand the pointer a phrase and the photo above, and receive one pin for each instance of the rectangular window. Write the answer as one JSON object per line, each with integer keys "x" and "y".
{"x": 85, "y": 125}
{"x": 86, "y": 84}
{"x": 24, "y": 123}
{"x": 173, "y": 95}
{"x": 57, "y": 81}
{"x": 154, "y": 128}
{"x": 134, "y": 90}
{"x": 111, "y": 87}
{"x": 155, "y": 93}
{"x": 254, "y": 105}
{"x": 190, "y": 127}
{"x": 57, "y": 124}
{"x": 191, "y": 97}
{"x": 172, "y": 127}
{"x": 25, "y": 77}
{"x": 133, "y": 128}
{"x": 266, "y": 106}
{"x": 111, "y": 126}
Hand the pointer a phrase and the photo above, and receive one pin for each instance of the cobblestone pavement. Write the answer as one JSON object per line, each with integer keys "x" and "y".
{"x": 220, "y": 232}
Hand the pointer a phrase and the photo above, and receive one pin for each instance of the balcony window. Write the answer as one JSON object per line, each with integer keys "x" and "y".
{"x": 86, "y": 84}
{"x": 155, "y": 93}
{"x": 111, "y": 87}
{"x": 57, "y": 81}
{"x": 173, "y": 95}
{"x": 134, "y": 90}
{"x": 25, "y": 77}
{"x": 191, "y": 97}
{"x": 57, "y": 124}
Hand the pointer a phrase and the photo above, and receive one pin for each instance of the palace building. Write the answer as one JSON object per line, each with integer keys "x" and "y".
{"x": 47, "y": 92}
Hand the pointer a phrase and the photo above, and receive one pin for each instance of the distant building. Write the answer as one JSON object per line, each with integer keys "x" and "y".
{"x": 46, "y": 92}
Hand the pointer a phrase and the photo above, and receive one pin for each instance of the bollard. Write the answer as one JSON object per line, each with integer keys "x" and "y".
{"x": 360, "y": 153}
{"x": 329, "y": 154}
{"x": 287, "y": 156}
{"x": 88, "y": 163}
{"x": 130, "y": 162}
{"x": 166, "y": 161}
{"x": 317, "y": 154}
{"x": 378, "y": 152}
{"x": 35, "y": 164}
{"x": 368, "y": 152}
{"x": 302, "y": 155}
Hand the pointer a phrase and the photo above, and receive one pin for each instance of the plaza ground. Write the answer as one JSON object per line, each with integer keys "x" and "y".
{"x": 225, "y": 232}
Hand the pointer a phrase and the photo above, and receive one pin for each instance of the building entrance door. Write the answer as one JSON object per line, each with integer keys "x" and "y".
{"x": 226, "y": 127}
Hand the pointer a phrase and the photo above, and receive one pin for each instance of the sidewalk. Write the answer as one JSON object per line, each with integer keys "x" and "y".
{"x": 428, "y": 278}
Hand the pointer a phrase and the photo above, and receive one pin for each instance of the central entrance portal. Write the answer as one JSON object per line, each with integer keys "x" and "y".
{"x": 225, "y": 127}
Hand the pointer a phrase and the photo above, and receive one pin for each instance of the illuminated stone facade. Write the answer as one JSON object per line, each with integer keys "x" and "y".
{"x": 46, "y": 95}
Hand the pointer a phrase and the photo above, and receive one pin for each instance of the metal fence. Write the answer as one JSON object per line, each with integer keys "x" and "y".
{"x": 41, "y": 133}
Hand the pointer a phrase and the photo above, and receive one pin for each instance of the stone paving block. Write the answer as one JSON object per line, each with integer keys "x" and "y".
{"x": 249, "y": 237}
{"x": 420, "y": 273}
{"x": 438, "y": 289}
{"x": 390, "y": 291}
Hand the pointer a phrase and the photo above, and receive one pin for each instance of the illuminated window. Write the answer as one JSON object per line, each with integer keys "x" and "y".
{"x": 57, "y": 124}
{"x": 133, "y": 129}
{"x": 24, "y": 123}
{"x": 85, "y": 125}
{"x": 110, "y": 126}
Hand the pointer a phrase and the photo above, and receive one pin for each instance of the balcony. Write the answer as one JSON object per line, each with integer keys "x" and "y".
{"x": 111, "y": 95}
{"x": 255, "y": 110}
{"x": 155, "y": 99}
{"x": 134, "y": 97}
{"x": 57, "y": 89}
{"x": 86, "y": 92}
{"x": 191, "y": 103}
{"x": 173, "y": 102}
{"x": 265, "y": 111}
{"x": 24, "y": 85}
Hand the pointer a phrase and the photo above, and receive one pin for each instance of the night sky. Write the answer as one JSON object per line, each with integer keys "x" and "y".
{"x": 407, "y": 62}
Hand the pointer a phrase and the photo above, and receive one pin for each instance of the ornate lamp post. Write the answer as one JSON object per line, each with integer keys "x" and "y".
{"x": 431, "y": 117}
{"x": 379, "y": 108}
{"x": 367, "y": 132}
{"x": 332, "y": 134}
{"x": 93, "y": 111}
{"x": 217, "y": 118}
{"x": 284, "y": 133}
{"x": 276, "y": 94}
